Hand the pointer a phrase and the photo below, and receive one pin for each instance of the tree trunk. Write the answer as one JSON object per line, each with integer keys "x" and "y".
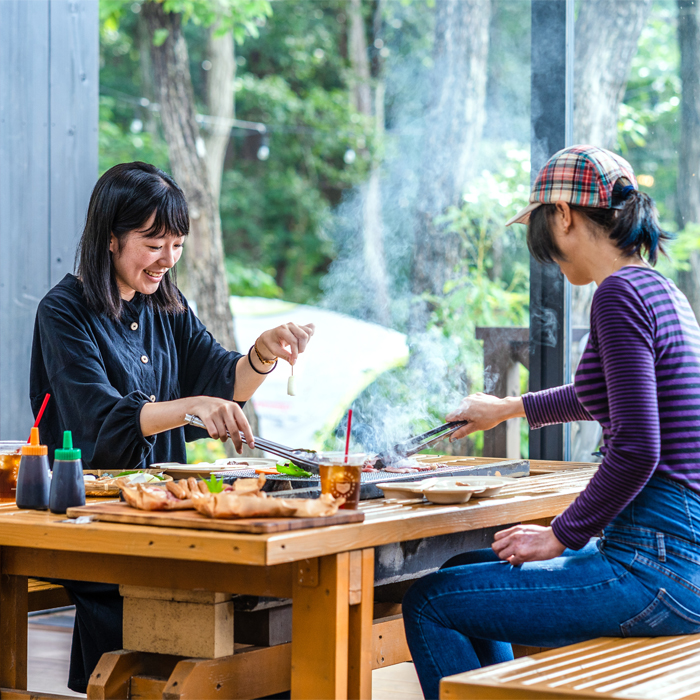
{"x": 204, "y": 253}
{"x": 372, "y": 229}
{"x": 604, "y": 52}
{"x": 454, "y": 123}
{"x": 221, "y": 106}
{"x": 607, "y": 34}
{"x": 146, "y": 74}
{"x": 688, "y": 187}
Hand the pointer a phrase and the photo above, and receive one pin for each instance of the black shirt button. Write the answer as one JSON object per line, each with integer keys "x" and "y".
{"x": 134, "y": 326}
{"x": 144, "y": 359}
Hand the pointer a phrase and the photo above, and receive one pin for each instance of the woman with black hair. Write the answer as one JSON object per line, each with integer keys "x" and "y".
{"x": 640, "y": 378}
{"x": 124, "y": 358}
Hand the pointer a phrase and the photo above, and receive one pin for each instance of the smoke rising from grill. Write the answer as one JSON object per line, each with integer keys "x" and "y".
{"x": 423, "y": 104}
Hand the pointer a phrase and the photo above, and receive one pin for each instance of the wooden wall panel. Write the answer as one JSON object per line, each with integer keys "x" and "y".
{"x": 74, "y": 108}
{"x": 49, "y": 71}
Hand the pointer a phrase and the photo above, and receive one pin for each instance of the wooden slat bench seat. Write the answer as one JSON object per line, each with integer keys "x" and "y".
{"x": 46, "y": 596}
{"x": 634, "y": 668}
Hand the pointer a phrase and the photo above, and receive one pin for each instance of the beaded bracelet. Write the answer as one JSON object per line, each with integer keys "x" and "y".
{"x": 250, "y": 361}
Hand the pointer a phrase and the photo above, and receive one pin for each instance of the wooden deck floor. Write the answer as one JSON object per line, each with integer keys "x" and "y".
{"x": 49, "y": 649}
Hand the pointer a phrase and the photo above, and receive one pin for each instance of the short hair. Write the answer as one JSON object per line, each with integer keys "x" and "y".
{"x": 632, "y": 223}
{"x": 123, "y": 200}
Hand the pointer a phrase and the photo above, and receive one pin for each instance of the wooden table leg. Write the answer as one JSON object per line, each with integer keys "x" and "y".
{"x": 13, "y": 631}
{"x": 320, "y": 616}
{"x": 360, "y": 626}
{"x": 112, "y": 676}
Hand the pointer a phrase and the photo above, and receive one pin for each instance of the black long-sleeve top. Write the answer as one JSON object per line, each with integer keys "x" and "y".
{"x": 100, "y": 373}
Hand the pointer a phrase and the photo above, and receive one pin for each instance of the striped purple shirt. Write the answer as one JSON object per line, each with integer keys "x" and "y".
{"x": 639, "y": 377}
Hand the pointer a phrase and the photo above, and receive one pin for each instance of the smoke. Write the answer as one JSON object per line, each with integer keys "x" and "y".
{"x": 544, "y": 322}
{"x": 413, "y": 399}
{"x": 490, "y": 380}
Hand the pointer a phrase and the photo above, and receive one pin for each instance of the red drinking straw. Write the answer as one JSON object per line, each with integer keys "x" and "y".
{"x": 347, "y": 436}
{"x": 40, "y": 414}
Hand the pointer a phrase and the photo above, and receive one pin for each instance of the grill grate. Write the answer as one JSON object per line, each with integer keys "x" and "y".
{"x": 311, "y": 486}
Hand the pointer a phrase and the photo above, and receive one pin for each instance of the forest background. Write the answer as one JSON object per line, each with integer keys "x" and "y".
{"x": 364, "y": 155}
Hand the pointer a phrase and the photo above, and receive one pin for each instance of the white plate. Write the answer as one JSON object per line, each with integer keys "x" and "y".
{"x": 444, "y": 496}
{"x": 402, "y": 490}
{"x": 446, "y": 489}
{"x": 484, "y": 486}
{"x": 203, "y": 469}
{"x": 245, "y": 463}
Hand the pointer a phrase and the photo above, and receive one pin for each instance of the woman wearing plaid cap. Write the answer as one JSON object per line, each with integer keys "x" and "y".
{"x": 639, "y": 377}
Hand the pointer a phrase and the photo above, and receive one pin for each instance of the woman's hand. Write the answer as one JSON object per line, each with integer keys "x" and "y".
{"x": 523, "y": 543}
{"x": 285, "y": 341}
{"x": 484, "y": 412}
{"x": 219, "y": 416}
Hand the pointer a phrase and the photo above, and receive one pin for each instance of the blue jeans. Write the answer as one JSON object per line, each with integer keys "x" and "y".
{"x": 641, "y": 579}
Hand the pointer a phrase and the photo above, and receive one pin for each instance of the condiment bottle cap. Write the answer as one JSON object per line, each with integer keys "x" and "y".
{"x": 34, "y": 449}
{"x": 68, "y": 453}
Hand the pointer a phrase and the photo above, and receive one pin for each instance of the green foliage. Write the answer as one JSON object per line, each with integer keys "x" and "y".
{"x": 490, "y": 288}
{"x": 649, "y": 118}
{"x": 205, "y": 450}
{"x": 275, "y": 212}
{"x": 684, "y": 243}
{"x": 244, "y": 17}
{"x": 118, "y": 145}
{"x": 245, "y": 281}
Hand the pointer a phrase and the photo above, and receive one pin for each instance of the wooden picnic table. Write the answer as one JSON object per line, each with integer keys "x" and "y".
{"x": 327, "y": 572}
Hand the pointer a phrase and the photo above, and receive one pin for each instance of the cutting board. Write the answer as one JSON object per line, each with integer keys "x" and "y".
{"x": 123, "y": 513}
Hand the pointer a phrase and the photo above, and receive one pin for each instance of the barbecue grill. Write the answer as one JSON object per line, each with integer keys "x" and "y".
{"x": 297, "y": 487}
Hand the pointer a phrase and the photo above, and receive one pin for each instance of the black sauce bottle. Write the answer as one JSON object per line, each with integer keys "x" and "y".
{"x": 67, "y": 482}
{"x": 33, "y": 481}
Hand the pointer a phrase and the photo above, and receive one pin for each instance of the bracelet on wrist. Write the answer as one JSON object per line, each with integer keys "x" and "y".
{"x": 250, "y": 362}
{"x": 261, "y": 358}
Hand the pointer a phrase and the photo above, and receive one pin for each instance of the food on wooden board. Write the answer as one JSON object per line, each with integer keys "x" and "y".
{"x": 320, "y": 507}
{"x": 245, "y": 499}
{"x": 230, "y": 504}
{"x": 153, "y": 498}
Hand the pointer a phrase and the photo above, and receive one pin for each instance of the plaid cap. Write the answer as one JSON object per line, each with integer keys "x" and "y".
{"x": 580, "y": 175}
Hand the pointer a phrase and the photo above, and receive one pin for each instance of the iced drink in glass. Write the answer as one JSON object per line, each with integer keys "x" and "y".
{"x": 10, "y": 456}
{"x": 341, "y": 478}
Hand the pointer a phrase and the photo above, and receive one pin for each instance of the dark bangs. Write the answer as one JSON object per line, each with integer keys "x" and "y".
{"x": 124, "y": 199}
{"x": 540, "y": 240}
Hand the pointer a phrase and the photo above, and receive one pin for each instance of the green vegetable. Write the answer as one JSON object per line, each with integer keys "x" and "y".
{"x": 292, "y": 470}
{"x": 214, "y": 485}
{"x": 136, "y": 471}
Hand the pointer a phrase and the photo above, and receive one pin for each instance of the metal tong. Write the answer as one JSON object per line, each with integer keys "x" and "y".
{"x": 383, "y": 460}
{"x": 416, "y": 444}
{"x": 267, "y": 445}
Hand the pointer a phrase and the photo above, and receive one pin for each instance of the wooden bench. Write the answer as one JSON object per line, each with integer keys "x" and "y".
{"x": 46, "y": 596}
{"x": 634, "y": 668}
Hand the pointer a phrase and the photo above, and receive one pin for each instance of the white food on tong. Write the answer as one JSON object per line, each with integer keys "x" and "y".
{"x": 290, "y": 383}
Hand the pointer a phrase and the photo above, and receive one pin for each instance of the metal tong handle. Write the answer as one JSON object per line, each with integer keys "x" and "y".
{"x": 267, "y": 445}
{"x": 428, "y": 438}
{"x": 417, "y": 443}
{"x": 448, "y": 429}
